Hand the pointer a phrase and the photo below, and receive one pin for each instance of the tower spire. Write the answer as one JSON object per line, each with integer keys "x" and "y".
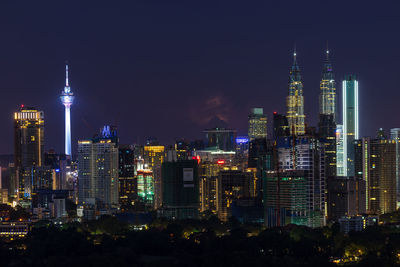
{"x": 327, "y": 51}
{"x": 295, "y": 99}
{"x": 67, "y": 98}
{"x": 66, "y": 75}
{"x": 327, "y": 98}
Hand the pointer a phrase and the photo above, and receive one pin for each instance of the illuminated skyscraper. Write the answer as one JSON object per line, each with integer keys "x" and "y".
{"x": 395, "y": 135}
{"x": 127, "y": 181}
{"x": 154, "y": 156}
{"x": 350, "y": 122}
{"x": 295, "y": 100}
{"x": 300, "y": 197}
{"x": 257, "y": 124}
{"x": 98, "y": 170}
{"x": 67, "y": 98}
{"x": 378, "y": 170}
{"x": 327, "y": 97}
{"x": 28, "y": 147}
{"x": 145, "y": 187}
{"x": 339, "y": 151}
{"x": 327, "y": 116}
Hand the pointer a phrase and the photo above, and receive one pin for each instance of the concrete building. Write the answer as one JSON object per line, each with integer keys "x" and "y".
{"x": 346, "y": 196}
{"x": 180, "y": 196}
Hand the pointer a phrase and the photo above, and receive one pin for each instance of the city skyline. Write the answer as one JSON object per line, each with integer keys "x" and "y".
{"x": 113, "y": 88}
{"x": 204, "y": 133}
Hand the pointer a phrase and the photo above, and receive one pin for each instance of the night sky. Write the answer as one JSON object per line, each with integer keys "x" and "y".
{"x": 169, "y": 69}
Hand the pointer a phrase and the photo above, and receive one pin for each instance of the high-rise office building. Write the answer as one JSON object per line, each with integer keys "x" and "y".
{"x": 257, "y": 124}
{"x": 180, "y": 189}
{"x": 145, "y": 188}
{"x": 211, "y": 162}
{"x": 98, "y": 170}
{"x": 231, "y": 185}
{"x": 327, "y": 135}
{"x": 378, "y": 169}
{"x": 383, "y": 171}
{"x": 302, "y": 161}
{"x": 126, "y": 177}
{"x": 182, "y": 150}
{"x": 350, "y": 122}
{"x": 67, "y": 98}
{"x": 327, "y": 97}
{"x": 62, "y": 167}
{"x": 295, "y": 100}
{"x": 154, "y": 156}
{"x": 257, "y": 149}
{"x": 281, "y": 126}
{"x": 242, "y": 146}
{"x": 345, "y": 197}
{"x": 28, "y": 147}
{"x": 208, "y": 173}
{"x": 285, "y": 198}
{"x": 395, "y": 135}
{"x": 224, "y": 139}
{"x": 339, "y": 150}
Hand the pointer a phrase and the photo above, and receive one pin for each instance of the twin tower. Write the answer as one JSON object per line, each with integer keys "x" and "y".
{"x": 295, "y": 99}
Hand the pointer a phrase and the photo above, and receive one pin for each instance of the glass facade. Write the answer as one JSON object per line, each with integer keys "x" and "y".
{"x": 145, "y": 187}
{"x": 350, "y": 122}
{"x": 339, "y": 151}
{"x": 98, "y": 173}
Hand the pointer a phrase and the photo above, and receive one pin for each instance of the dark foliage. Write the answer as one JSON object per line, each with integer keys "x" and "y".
{"x": 108, "y": 242}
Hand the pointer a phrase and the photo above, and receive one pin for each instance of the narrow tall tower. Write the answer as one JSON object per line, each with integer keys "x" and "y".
{"x": 350, "y": 122}
{"x": 295, "y": 100}
{"x": 327, "y": 116}
{"x": 67, "y": 98}
{"x": 327, "y": 97}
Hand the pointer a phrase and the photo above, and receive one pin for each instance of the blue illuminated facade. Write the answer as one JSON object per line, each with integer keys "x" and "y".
{"x": 242, "y": 140}
{"x": 350, "y": 123}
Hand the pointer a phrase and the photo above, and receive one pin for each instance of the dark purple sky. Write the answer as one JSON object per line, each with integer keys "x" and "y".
{"x": 165, "y": 69}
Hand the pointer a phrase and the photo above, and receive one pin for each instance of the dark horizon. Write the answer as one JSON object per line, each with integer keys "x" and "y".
{"x": 169, "y": 69}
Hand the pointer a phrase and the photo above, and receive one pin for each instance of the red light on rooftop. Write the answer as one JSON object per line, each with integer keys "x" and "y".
{"x": 275, "y": 112}
{"x": 22, "y": 105}
{"x": 196, "y": 158}
{"x": 221, "y": 162}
